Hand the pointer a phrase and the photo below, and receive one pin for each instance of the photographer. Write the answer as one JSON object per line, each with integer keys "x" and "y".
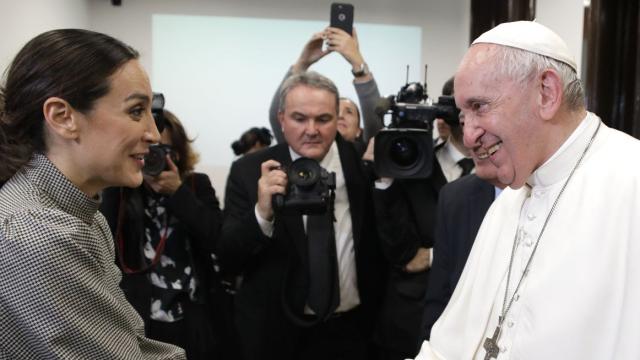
{"x": 165, "y": 232}
{"x": 406, "y": 215}
{"x": 280, "y": 313}
{"x": 453, "y": 157}
{"x": 346, "y": 45}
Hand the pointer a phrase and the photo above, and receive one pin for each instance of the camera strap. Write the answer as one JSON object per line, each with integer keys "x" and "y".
{"x": 159, "y": 250}
{"x": 324, "y": 292}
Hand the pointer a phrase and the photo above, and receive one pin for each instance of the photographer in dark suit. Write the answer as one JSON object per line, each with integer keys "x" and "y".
{"x": 406, "y": 215}
{"x": 276, "y": 306}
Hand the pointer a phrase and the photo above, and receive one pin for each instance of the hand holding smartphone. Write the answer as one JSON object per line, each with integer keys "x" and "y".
{"x": 342, "y": 17}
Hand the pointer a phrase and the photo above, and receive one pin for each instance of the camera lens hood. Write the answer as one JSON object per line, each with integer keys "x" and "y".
{"x": 304, "y": 172}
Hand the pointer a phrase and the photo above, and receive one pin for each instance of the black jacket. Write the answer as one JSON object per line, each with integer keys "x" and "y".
{"x": 197, "y": 210}
{"x": 462, "y": 206}
{"x": 275, "y": 269}
{"x": 406, "y": 217}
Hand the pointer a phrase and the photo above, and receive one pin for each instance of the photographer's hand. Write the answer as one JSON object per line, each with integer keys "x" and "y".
{"x": 420, "y": 261}
{"x": 311, "y": 53}
{"x": 368, "y": 154}
{"x": 346, "y": 45}
{"x": 167, "y": 182}
{"x": 272, "y": 181}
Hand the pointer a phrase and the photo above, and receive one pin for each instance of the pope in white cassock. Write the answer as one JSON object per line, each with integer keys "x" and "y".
{"x": 555, "y": 269}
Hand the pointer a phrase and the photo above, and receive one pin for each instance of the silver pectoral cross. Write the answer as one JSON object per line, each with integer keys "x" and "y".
{"x": 491, "y": 344}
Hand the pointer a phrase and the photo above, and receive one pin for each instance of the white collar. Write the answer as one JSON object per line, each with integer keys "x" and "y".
{"x": 564, "y": 159}
{"x": 453, "y": 151}
{"x": 328, "y": 157}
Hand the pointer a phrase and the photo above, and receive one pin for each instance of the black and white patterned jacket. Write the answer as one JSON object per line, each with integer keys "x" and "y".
{"x": 59, "y": 294}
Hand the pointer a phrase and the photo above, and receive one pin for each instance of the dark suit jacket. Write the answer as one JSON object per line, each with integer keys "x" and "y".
{"x": 461, "y": 208}
{"x": 275, "y": 269}
{"x": 406, "y": 216}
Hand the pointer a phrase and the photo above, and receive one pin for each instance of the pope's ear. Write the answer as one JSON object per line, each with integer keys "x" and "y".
{"x": 60, "y": 118}
{"x": 551, "y": 94}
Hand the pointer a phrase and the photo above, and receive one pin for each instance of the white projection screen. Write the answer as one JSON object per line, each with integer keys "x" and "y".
{"x": 218, "y": 74}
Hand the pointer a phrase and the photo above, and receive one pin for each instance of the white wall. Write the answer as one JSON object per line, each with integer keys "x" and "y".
{"x": 565, "y": 17}
{"x": 22, "y": 20}
{"x": 444, "y": 24}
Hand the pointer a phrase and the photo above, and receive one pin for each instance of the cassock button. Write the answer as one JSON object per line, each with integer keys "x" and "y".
{"x": 510, "y": 323}
{"x": 531, "y": 216}
{"x": 516, "y": 297}
{"x": 538, "y": 194}
{"x": 503, "y": 349}
{"x": 528, "y": 242}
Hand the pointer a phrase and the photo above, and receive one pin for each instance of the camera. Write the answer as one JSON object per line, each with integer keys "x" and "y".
{"x": 404, "y": 149}
{"x": 310, "y": 189}
{"x": 157, "y": 110}
{"x": 155, "y": 161}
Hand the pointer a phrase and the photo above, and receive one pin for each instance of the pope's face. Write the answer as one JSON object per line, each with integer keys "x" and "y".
{"x": 309, "y": 121}
{"x": 497, "y": 112}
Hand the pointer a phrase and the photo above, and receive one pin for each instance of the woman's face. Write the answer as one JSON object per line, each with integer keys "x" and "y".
{"x": 115, "y": 135}
{"x": 348, "y": 121}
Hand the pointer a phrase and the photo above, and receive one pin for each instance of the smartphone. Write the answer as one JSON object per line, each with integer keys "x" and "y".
{"x": 342, "y": 17}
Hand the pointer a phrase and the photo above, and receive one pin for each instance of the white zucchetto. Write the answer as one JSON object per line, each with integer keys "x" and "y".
{"x": 529, "y": 36}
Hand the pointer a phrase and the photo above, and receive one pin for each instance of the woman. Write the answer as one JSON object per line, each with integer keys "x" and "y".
{"x": 252, "y": 140}
{"x": 165, "y": 232}
{"x": 75, "y": 119}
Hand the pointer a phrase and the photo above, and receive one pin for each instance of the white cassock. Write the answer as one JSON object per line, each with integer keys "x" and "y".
{"x": 581, "y": 297}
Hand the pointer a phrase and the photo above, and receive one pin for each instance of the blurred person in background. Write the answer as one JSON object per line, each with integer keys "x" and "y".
{"x": 252, "y": 140}
{"x": 349, "y": 116}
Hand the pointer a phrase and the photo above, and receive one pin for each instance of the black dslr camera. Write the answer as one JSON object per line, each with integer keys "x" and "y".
{"x": 310, "y": 189}
{"x": 404, "y": 149}
{"x": 155, "y": 161}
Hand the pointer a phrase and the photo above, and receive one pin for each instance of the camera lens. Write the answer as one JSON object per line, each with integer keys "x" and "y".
{"x": 404, "y": 152}
{"x": 154, "y": 161}
{"x": 304, "y": 172}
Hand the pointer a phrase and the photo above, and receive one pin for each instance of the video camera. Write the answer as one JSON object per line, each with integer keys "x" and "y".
{"x": 404, "y": 148}
{"x": 310, "y": 189}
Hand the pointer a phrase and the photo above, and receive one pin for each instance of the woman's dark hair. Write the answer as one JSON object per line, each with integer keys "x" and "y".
{"x": 72, "y": 64}
{"x": 250, "y": 138}
{"x": 181, "y": 144}
{"x": 447, "y": 88}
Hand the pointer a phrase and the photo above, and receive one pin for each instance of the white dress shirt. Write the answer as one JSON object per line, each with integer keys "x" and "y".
{"x": 448, "y": 157}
